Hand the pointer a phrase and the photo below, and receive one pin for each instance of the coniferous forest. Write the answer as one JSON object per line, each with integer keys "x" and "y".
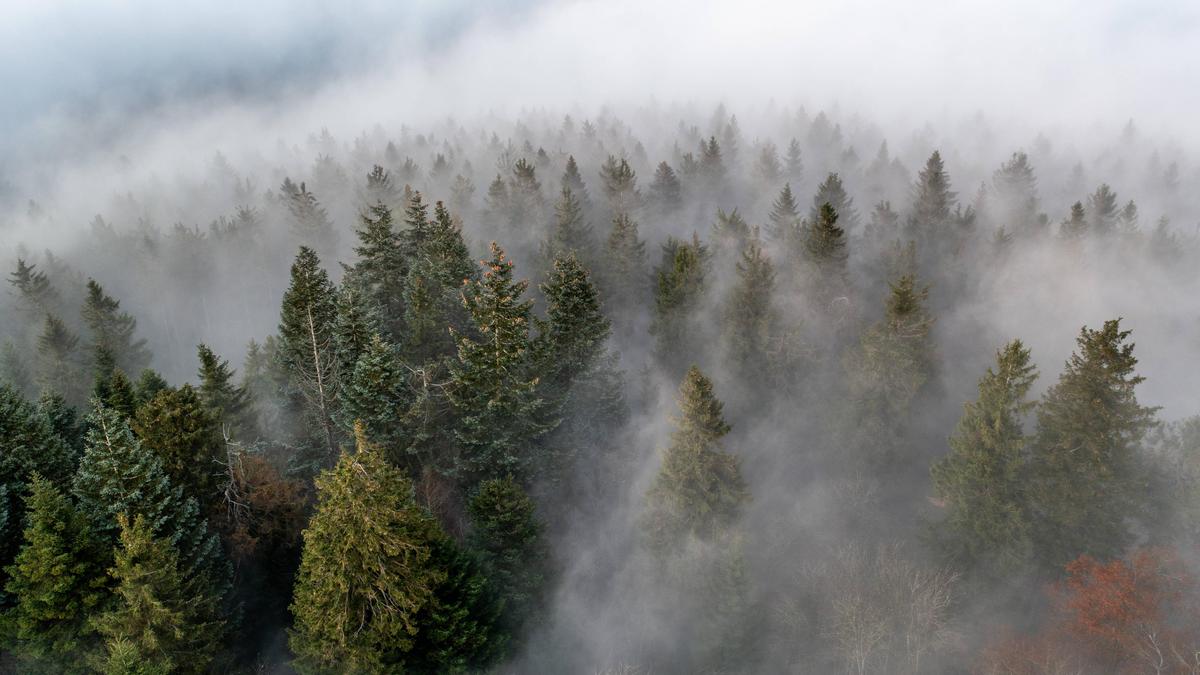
{"x": 623, "y": 390}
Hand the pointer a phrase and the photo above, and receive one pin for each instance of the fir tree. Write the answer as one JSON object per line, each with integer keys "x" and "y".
{"x": 229, "y": 402}
{"x": 699, "y": 491}
{"x": 508, "y": 537}
{"x": 113, "y": 330}
{"x": 309, "y": 220}
{"x": 569, "y": 231}
{"x": 825, "y": 249}
{"x": 750, "y": 316}
{"x": 111, "y": 387}
{"x": 366, "y": 573}
{"x": 572, "y": 180}
{"x": 624, "y": 277}
{"x": 495, "y": 399}
{"x": 13, "y": 370}
{"x": 620, "y": 185}
{"x": 666, "y": 194}
{"x": 56, "y": 581}
{"x": 679, "y": 290}
{"x": 380, "y": 189}
{"x": 307, "y": 348}
{"x": 1016, "y": 195}
{"x": 1076, "y": 224}
{"x": 163, "y": 621}
{"x": 184, "y": 432}
{"x": 148, "y": 384}
{"x": 767, "y": 168}
{"x": 982, "y": 482}
{"x": 892, "y": 365}
{"x": 58, "y": 365}
{"x": 832, "y": 192}
{"x": 35, "y": 293}
{"x": 118, "y": 475}
{"x": 441, "y": 267}
{"x": 933, "y": 202}
{"x": 794, "y": 163}
{"x": 352, "y": 329}
{"x": 381, "y": 268}
{"x": 376, "y": 396}
{"x": 785, "y": 214}
{"x": 1086, "y": 477}
{"x": 1102, "y": 210}
{"x": 730, "y": 232}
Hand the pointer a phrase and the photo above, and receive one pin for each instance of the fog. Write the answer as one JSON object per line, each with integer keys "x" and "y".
{"x": 131, "y": 129}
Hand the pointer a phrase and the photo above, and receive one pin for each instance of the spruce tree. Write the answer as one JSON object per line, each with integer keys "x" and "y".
{"x": 381, "y": 267}
{"x": 666, "y": 194}
{"x": 495, "y": 399}
{"x": 1086, "y": 477}
{"x": 36, "y": 295}
{"x": 933, "y": 202}
{"x": 1016, "y": 195}
{"x": 353, "y": 327}
{"x": 680, "y": 287}
{"x": 825, "y": 249}
{"x": 620, "y": 185}
{"x": 794, "y": 163}
{"x": 367, "y": 569}
{"x": 14, "y": 371}
{"x": 981, "y": 482}
{"x": 376, "y": 396}
{"x": 308, "y": 352}
{"x": 832, "y": 192}
{"x": 572, "y": 180}
{"x": 750, "y": 316}
{"x": 58, "y": 364}
{"x": 229, "y": 402}
{"x": 162, "y": 620}
{"x": 785, "y": 214}
{"x": 892, "y": 365}
{"x": 57, "y": 583}
{"x": 623, "y": 276}
{"x": 569, "y": 231}
{"x": 699, "y": 491}
{"x": 1076, "y": 224}
{"x": 113, "y": 330}
{"x": 119, "y": 476}
{"x": 508, "y": 538}
{"x": 1102, "y": 210}
{"x": 184, "y": 433}
{"x": 432, "y": 304}
{"x": 309, "y": 220}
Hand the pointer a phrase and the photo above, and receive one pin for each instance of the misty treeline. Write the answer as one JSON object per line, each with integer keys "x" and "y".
{"x": 556, "y": 395}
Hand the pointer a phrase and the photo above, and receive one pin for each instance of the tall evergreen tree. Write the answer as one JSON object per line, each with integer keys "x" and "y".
{"x": 1076, "y": 224}
{"x": 119, "y": 476}
{"x": 508, "y": 537}
{"x": 981, "y": 482}
{"x": 495, "y": 398}
{"x": 825, "y": 250}
{"x": 307, "y": 348}
{"x": 569, "y": 231}
{"x": 681, "y": 285}
{"x": 831, "y": 191}
{"x": 366, "y": 572}
{"x": 113, "y": 330}
{"x": 620, "y": 185}
{"x": 1086, "y": 477}
{"x": 699, "y": 490}
{"x": 1016, "y": 202}
{"x": 58, "y": 363}
{"x": 184, "y": 432}
{"x": 162, "y": 621}
{"x": 794, "y": 162}
{"x": 624, "y": 277}
{"x": 1102, "y": 210}
{"x": 572, "y": 180}
{"x": 57, "y": 583}
{"x": 309, "y": 219}
{"x": 35, "y": 293}
{"x": 933, "y": 201}
{"x": 785, "y": 214}
{"x": 381, "y": 268}
{"x": 229, "y": 401}
{"x": 666, "y": 193}
{"x": 750, "y": 315}
{"x": 432, "y": 304}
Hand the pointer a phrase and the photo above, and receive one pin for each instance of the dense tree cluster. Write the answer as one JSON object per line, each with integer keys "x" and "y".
{"x": 447, "y": 452}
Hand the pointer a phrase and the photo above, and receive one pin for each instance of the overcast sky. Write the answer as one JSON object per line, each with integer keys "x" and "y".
{"x": 75, "y": 73}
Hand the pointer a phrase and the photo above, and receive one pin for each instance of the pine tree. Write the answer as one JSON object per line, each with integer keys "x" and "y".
{"x": 111, "y": 387}
{"x": 785, "y": 214}
{"x": 380, "y": 189}
{"x": 712, "y": 164}
{"x": 229, "y": 402}
{"x": 794, "y": 164}
{"x": 1016, "y": 195}
{"x": 381, "y": 268}
{"x": 58, "y": 363}
{"x": 36, "y": 294}
{"x": 1076, "y": 224}
{"x": 620, "y": 185}
{"x": 184, "y": 432}
{"x": 572, "y": 180}
{"x": 495, "y": 399}
{"x": 825, "y": 249}
{"x": 163, "y": 621}
{"x": 1086, "y": 477}
{"x": 666, "y": 194}
{"x": 376, "y": 396}
{"x": 569, "y": 231}
{"x": 118, "y": 475}
{"x": 832, "y": 192}
{"x": 699, "y": 491}
{"x": 307, "y": 348}
{"x": 366, "y": 572}
{"x": 624, "y": 277}
{"x": 56, "y": 581}
{"x": 932, "y": 202}
{"x": 892, "y": 365}
{"x": 750, "y": 316}
{"x": 681, "y": 285}
{"x": 508, "y": 537}
{"x": 729, "y": 233}
{"x": 353, "y": 327}
{"x": 309, "y": 220}
{"x": 982, "y": 482}
{"x": 1102, "y": 210}
{"x": 432, "y": 305}
{"x": 113, "y": 330}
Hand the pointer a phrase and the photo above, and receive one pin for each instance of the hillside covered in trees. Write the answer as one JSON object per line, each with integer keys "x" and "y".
{"x": 672, "y": 392}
